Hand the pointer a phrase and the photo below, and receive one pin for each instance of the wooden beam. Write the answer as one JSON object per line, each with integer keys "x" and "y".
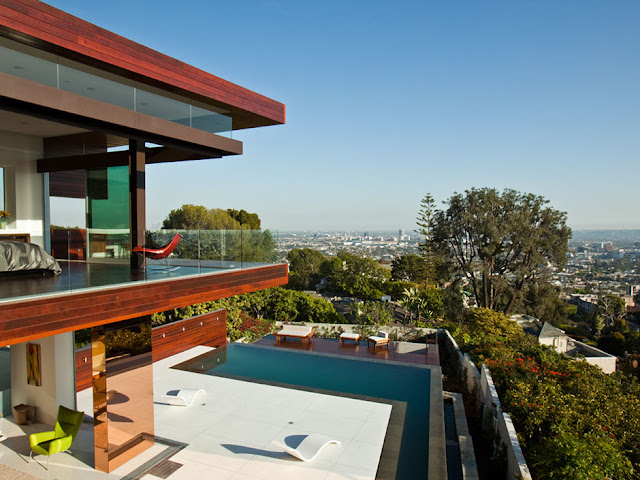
{"x": 167, "y": 154}
{"x": 116, "y": 159}
{"x": 84, "y": 162}
{"x": 137, "y": 205}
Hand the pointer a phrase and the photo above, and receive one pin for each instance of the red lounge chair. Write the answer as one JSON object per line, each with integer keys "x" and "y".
{"x": 159, "y": 254}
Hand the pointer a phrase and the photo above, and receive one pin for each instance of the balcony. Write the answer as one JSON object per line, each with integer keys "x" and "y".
{"x": 98, "y": 286}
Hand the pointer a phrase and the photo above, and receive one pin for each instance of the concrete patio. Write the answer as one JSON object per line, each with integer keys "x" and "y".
{"x": 227, "y": 433}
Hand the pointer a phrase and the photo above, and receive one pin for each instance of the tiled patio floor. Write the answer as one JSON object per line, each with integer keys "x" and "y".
{"x": 228, "y": 433}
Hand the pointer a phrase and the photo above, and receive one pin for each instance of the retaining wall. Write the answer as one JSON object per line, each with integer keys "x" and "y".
{"x": 493, "y": 418}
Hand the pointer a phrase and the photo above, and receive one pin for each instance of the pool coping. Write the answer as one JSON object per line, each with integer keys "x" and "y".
{"x": 388, "y": 464}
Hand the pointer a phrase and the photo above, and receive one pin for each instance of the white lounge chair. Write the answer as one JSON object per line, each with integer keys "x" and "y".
{"x": 309, "y": 448}
{"x": 295, "y": 331}
{"x": 183, "y": 398}
{"x": 380, "y": 339}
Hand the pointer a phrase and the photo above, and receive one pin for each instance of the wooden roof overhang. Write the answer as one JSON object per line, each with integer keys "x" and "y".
{"x": 45, "y": 27}
{"x": 24, "y": 320}
{"x": 30, "y": 98}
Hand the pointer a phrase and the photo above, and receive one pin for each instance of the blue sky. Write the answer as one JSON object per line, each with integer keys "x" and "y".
{"x": 387, "y": 101}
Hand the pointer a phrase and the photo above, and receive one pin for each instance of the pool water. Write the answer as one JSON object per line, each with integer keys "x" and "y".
{"x": 369, "y": 378}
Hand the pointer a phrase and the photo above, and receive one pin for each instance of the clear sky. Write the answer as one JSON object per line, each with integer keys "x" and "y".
{"x": 387, "y": 101}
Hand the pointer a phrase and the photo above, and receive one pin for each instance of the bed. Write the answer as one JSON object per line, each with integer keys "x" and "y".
{"x": 26, "y": 257}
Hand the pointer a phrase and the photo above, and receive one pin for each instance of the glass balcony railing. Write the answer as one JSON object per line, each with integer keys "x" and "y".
{"x": 91, "y": 259}
{"x": 207, "y": 249}
{"x": 125, "y": 94}
{"x": 224, "y": 249}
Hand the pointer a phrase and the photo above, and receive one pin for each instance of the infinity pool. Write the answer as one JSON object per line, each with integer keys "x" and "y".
{"x": 405, "y": 452}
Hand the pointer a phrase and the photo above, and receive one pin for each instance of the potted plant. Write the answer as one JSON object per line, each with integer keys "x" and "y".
{"x": 4, "y": 218}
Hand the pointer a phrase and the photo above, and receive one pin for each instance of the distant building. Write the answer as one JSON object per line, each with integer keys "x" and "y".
{"x": 554, "y": 337}
{"x": 586, "y": 303}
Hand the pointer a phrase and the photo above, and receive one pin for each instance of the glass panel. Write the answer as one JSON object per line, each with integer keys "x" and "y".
{"x": 108, "y": 213}
{"x": 5, "y": 381}
{"x": 210, "y": 121}
{"x": 99, "y": 88}
{"x": 258, "y": 247}
{"x": 114, "y": 92}
{"x": 162, "y": 107}
{"x": 1, "y": 188}
{"x": 216, "y": 249}
{"x": 68, "y": 232}
{"x": 25, "y": 66}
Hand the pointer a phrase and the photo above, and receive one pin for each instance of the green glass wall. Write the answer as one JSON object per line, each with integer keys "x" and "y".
{"x": 108, "y": 213}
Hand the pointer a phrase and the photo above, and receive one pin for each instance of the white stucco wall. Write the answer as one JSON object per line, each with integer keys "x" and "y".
{"x": 58, "y": 378}
{"x": 24, "y": 185}
{"x": 607, "y": 364}
{"x": 559, "y": 343}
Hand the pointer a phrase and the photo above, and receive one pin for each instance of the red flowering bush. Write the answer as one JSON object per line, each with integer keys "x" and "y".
{"x": 573, "y": 421}
{"x": 255, "y": 328}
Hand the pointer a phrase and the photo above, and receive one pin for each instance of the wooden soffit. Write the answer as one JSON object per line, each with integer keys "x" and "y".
{"x": 38, "y": 24}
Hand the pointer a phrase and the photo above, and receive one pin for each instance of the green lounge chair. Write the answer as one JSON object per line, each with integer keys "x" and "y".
{"x": 60, "y": 439}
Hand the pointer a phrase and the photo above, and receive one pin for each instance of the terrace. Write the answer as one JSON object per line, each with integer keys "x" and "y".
{"x": 228, "y": 432}
{"x": 84, "y": 113}
{"x": 206, "y": 266}
{"x": 86, "y": 268}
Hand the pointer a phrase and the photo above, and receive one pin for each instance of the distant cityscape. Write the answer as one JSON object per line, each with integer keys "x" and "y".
{"x": 383, "y": 246}
{"x": 600, "y": 261}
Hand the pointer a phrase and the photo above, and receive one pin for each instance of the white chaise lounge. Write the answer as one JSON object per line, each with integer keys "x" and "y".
{"x": 309, "y": 448}
{"x": 183, "y": 398}
{"x": 295, "y": 331}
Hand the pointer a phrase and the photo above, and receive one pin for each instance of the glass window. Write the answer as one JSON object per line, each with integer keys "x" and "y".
{"x": 26, "y": 66}
{"x": 108, "y": 213}
{"x": 5, "y": 381}
{"x": 92, "y": 86}
{"x": 1, "y": 188}
{"x": 162, "y": 107}
{"x": 210, "y": 121}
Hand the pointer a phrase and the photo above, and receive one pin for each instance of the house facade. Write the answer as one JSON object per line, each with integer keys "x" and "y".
{"x": 83, "y": 114}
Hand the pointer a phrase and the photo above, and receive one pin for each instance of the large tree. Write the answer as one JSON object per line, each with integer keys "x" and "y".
{"x": 217, "y": 234}
{"x": 356, "y": 276}
{"x": 409, "y": 268}
{"x": 436, "y": 265}
{"x": 611, "y": 308}
{"x": 304, "y": 268}
{"x": 542, "y": 300}
{"x": 500, "y": 241}
{"x": 199, "y": 217}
